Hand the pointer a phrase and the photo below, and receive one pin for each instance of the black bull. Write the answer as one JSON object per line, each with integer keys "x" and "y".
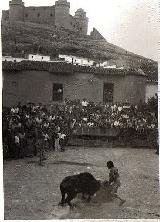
{"x": 83, "y": 183}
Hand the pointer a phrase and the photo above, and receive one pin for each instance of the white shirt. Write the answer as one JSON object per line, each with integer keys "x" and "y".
{"x": 46, "y": 137}
{"x": 62, "y": 136}
{"x": 116, "y": 123}
{"x": 90, "y": 124}
{"x": 119, "y": 108}
{"x": 84, "y": 103}
{"x": 15, "y": 110}
{"x": 16, "y": 139}
{"x": 38, "y": 120}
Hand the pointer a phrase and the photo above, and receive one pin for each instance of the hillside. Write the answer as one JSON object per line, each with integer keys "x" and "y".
{"x": 23, "y": 38}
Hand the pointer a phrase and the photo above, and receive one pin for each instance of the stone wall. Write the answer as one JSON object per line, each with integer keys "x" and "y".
{"x": 5, "y": 15}
{"x": 58, "y": 15}
{"x": 134, "y": 88}
{"x": 37, "y": 86}
{"x": 16, "y": 11}
{"x": 40, "y": 15}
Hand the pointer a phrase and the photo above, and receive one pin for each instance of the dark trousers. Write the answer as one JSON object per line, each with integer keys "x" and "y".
{"x": 22, "y": 149}
{"x": 62, "y": 144}
{"x": 17, "y": 150}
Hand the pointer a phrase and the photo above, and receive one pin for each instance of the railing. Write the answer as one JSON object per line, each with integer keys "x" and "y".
{"x": 113, "y": 137}
{"x": 111, "y": 132}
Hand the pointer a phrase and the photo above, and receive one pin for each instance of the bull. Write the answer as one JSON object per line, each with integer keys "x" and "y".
{"x": 83, "y": 183}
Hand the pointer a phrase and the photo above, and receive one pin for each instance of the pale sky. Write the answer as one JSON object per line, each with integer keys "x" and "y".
{"x": 130, "y": 24}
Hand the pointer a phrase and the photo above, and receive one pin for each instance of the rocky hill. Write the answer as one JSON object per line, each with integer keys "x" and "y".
{"x": 23, "y": 38}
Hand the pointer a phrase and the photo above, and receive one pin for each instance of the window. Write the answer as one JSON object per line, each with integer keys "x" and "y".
{"x": 57, "y": 92}
{"x": 38, "y": 15}
{"x": 108, "y": 92}
{"x": 26, "y": 15}
{"x": 32, "y": 57}
{"x": 51, "y": 14}
{"x": 42, "y": 58}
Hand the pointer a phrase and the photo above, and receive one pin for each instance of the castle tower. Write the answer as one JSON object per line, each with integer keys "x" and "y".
{"x": 62, "y": 16}
{"x": 16, "y": 10}
{"x": 80, "y": 16}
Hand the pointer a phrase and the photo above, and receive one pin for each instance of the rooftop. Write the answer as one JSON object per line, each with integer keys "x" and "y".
{"x": 62, "y": 67}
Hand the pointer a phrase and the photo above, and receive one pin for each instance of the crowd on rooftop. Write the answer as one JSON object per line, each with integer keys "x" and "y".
{"x": 27, "y": 128}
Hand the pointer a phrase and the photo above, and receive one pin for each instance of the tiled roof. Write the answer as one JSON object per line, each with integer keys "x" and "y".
{"x": 62, "y": 67}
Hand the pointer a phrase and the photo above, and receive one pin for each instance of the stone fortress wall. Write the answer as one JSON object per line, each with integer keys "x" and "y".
{"x": 41, "y": 15}
{"x": 56, "y": 15}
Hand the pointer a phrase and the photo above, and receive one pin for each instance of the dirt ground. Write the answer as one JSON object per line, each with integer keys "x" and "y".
{"x": 32, "y": 191}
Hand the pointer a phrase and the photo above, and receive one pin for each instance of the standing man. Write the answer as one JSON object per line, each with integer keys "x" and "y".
{"x": 114, "y": 182}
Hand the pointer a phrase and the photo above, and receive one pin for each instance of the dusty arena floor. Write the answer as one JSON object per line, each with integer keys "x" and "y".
{"x": 32, "y": 191}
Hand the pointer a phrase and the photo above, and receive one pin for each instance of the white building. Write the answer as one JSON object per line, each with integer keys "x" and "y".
{"x": 66, "y": 58}
{"x": 77, "y": 60}
{"x": 104, "y": 64}
{"x": 108, "y": 65}
{"x": 38, "y": 57}
{"x": 30, "y": 57}
{"x": 12, "y": 59}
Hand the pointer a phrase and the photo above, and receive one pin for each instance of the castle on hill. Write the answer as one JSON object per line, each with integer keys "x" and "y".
{"x": 57, "y": 15}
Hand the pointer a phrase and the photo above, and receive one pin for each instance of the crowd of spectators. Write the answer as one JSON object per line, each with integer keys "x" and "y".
{"x": 27, "y": 128}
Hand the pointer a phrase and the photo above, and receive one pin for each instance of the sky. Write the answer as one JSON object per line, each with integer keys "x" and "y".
{"x": 130, "y": 24}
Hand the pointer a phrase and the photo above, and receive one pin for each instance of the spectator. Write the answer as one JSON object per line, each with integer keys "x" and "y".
{"x": 32, "y": 120}
{"x": 84, "y": 103}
